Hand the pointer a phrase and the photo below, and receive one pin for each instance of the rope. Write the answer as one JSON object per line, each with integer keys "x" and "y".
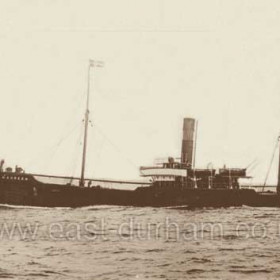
{"x": 116, "y": 148}
{"x": 73, "y": 166}
{"x": 253, "y": 167}
{"x": 54, "y": 149}
{"x": 252, "y": 164}
{"x": 270, "y": 164}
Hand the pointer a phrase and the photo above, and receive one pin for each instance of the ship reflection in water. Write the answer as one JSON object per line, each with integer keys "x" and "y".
{"x": 116, "y": 242}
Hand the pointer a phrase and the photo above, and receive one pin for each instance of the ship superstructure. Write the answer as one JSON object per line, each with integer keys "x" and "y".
{"x": 185, "y": 173}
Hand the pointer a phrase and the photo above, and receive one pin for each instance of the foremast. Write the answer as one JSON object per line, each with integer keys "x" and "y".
{"x": 92, "y": 63}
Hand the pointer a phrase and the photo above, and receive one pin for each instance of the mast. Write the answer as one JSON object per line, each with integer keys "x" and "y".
{"x": 278, "y": 183}
{"x": 270, "y": 165}
{"x": 92, "y": 63}
{"x": 85, "y": 129}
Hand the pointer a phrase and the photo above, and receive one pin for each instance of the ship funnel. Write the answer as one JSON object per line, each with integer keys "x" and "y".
{"x": 188, "y": 141}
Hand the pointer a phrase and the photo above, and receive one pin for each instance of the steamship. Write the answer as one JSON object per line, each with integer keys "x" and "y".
{"x": 172, "y": 183}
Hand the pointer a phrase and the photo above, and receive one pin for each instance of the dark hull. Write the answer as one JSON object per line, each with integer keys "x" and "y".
{"x": 34, "y": 193}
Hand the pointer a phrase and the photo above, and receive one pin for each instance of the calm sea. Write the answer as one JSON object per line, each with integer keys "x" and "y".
{"x": 107, "y": 242}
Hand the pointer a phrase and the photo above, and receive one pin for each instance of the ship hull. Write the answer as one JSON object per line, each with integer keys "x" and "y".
{"x": 34, "y": 193}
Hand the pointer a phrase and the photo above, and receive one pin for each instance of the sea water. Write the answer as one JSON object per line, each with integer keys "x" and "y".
{"x": 110, "y": 242}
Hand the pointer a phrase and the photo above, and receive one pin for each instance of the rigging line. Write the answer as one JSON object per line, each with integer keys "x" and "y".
{"x": 270, "y": 164}
{"x": 76, "y": 156}
{"x": 99, "y": 152}
{"x": 53, "y": 148}
{"x": 78, "y": 100}
{"x": 63, "y": 138}
{"x": 252, "y": 163}
{"x": 116, "y": 148}
{"x": 66, "y": 135}
{"x": 78, "y": 107}
{"x": 253, "y": 167}
{"x": 73, "y": 128}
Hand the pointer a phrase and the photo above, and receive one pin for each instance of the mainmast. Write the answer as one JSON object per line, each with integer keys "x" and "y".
{"x": 270, "y": 165}
{"x": 278, "y": 183}
{"x": 92, "y": 63}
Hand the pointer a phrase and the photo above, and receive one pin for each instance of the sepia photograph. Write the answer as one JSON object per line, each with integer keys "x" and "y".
{"x": 140, "y": 139}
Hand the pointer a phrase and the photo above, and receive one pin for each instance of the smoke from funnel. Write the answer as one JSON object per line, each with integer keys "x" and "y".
{"x": 188, "y": 141}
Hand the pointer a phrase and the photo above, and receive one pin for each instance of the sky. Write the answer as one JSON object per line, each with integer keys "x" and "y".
{"x": 216, "y": 61}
